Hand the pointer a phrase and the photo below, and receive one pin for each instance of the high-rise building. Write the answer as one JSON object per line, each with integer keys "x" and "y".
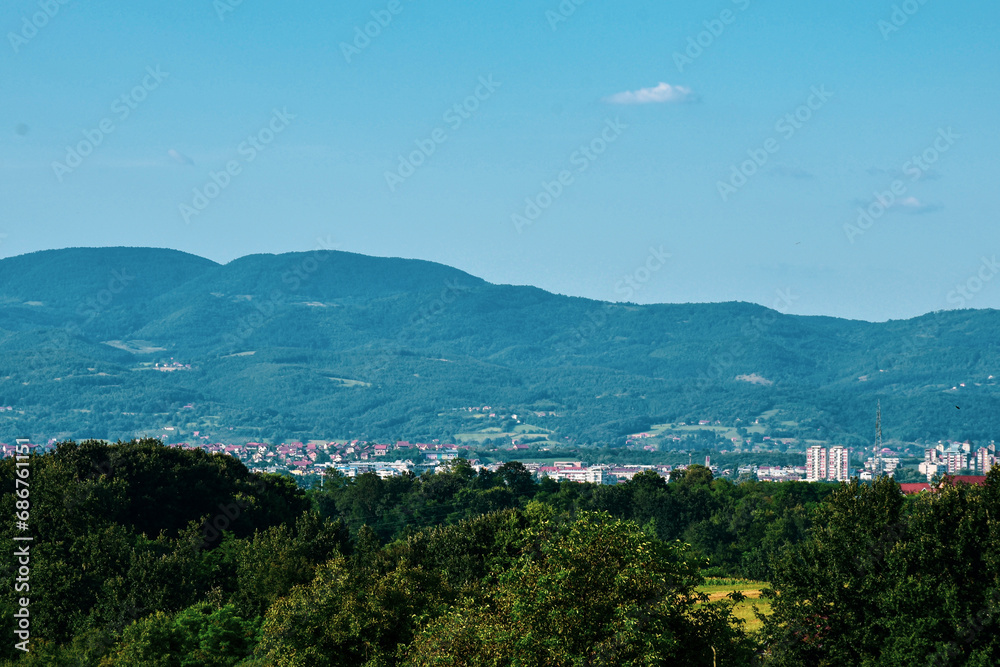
{"x": 828, "y": 464}
{"x": 984, "y": 461}
{"x": 816, "y": 467}
{"x": 838, "y": 459}
{"x": 955, "y": 461}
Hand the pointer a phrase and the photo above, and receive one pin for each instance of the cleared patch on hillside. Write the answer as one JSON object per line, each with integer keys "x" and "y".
{"x": 135, "y": 346}
{"x": 344, "y": 382}
{"x": 753, "y": 378}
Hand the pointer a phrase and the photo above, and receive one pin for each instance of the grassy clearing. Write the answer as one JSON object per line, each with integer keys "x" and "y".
{"x": 345, "y": 382}
{"x": 728, "y": 432}
{"x": 478, "y": 438}
{"x": 718, "y": 589}
{"x": 519, "y": 433}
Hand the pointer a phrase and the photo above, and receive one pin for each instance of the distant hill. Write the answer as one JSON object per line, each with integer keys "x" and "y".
{"x": 62, "y": 280}
{"x": 334, "y": 344}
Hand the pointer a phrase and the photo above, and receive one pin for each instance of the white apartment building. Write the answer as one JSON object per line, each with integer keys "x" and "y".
{"x": 593, "y": 474}
{"x": 816, "y": 466}
{"x": 838, "y": 459}
{"x": 955, "y": 461}
{"x": 828, "y": 464}
{"x": 984, "y": 461}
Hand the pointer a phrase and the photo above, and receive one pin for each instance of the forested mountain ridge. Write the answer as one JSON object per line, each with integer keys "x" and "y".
{"x": 334, "y": 344}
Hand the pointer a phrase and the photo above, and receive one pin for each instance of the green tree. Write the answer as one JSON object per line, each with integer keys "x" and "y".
{"x": 348, "y": 616}
{"x": 887, "y": 581}
{"x": 199, "y": 636}
{"x": 274, "y": 561}
{"x": 595, "y": 591}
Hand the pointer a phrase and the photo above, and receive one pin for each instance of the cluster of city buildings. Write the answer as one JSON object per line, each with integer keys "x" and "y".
{"x": 310, "y": 458}
{"x": 577, "y": 471}
{"x": 955, "y": 457}
{"x": 884, "y": 463}
{"x": 350, "y": 457}
{"x": 775, "y": 473}
{"x": 354, "y": 457}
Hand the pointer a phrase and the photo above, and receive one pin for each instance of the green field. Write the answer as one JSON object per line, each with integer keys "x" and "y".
{"x": 718, "y": 589}
{"x": 520, "y": 432}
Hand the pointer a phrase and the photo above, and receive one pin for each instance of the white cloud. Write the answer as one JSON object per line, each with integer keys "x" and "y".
{"x": 909, "y": 205}
{"x": 658, "y": 95}
{"x": 915, "y": 206}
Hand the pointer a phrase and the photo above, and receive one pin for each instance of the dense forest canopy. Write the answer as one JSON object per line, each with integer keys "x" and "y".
{"x": 146, "y": 555}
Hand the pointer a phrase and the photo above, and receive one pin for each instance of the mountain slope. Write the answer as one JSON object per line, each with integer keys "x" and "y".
{"x": 337, "y": 344}
{"x": 64, "y": 279}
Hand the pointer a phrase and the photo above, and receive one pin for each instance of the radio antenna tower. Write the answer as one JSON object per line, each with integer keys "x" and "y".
{"x": 878, "y": 441}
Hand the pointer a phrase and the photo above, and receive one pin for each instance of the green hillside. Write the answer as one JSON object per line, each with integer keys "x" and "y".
{"x": 333, "y": 344}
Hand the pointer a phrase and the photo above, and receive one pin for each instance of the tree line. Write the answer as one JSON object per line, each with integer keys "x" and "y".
{"x": 146, "y": 555}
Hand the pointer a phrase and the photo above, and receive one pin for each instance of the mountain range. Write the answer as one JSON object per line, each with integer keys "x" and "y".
{"x": 118, "y": 342}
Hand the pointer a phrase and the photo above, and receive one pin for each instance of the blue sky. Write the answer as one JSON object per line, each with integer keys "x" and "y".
{"x": 585, "y": 111}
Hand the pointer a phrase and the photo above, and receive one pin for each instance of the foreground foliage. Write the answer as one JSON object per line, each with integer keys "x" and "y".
{"x": 145, "y": 555}
{"x": 148, "y": 556}
{"x": 893, "y": 582}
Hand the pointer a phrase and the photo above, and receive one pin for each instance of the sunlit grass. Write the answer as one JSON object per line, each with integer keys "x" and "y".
{"x": 718, "y": 589}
